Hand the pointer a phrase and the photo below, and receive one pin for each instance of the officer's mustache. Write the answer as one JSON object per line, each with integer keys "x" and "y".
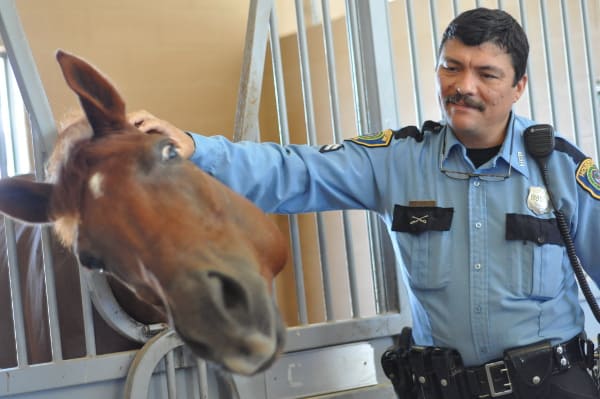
{"x": 466, "y": 100}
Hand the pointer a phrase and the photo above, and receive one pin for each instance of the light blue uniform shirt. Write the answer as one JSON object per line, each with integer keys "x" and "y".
{"x": 484, "y": 269}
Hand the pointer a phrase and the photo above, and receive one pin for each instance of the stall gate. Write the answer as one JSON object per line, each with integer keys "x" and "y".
{"x": 347, "y": 68}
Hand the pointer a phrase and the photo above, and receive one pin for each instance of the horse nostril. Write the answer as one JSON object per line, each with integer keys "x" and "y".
{"x": 232, "y": 293}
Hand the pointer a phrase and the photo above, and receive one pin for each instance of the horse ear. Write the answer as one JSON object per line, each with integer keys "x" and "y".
{"x": 25, "y": 200}
{"x": 101, "y": 102}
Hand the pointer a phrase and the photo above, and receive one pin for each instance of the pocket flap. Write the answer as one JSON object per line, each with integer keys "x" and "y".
{"x": 530, "y": 228}
{"x": 530, "y": 365}
{"x": 418, "y": 219}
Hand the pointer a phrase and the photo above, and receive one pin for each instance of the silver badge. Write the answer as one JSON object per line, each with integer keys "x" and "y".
{"x": 538, "y": 200}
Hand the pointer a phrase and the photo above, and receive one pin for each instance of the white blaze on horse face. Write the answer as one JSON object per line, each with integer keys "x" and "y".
{"x": 95, "y": 184}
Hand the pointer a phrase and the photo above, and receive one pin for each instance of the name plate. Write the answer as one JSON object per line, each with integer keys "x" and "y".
{"x": 320, "y": 371}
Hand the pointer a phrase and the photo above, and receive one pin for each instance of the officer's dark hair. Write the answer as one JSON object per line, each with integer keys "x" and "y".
{"x": 481, "y": 25}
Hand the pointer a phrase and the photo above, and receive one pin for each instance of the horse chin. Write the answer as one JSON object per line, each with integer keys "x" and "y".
{"x": 244, "y": 362}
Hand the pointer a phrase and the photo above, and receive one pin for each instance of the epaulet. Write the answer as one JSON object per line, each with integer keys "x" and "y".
{"x": 564, "y": 146}
{"x": 414, "y": 132}
{"x": 431, "y": 126}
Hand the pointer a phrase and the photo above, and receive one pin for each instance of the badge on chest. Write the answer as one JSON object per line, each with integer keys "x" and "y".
{"x": 538, "y": 200}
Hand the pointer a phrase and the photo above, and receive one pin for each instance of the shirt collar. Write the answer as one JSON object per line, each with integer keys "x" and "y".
{"x": 512, "y": 151}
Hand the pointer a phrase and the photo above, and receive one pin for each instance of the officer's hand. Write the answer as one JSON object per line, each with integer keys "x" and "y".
{"x": 149, "y": 123}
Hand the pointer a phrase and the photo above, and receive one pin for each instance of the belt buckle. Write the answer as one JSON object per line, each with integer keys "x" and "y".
{"x": 489, "y": 368}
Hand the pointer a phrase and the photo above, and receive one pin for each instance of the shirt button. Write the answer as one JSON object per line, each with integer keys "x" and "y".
{"x": 476, "y": 183}
{"x": 477, "y": 309}
{"x": 477, "y": 266}
{"x": 478, "y": 225}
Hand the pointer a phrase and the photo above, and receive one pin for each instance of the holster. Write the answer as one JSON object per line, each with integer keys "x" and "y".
{"x": 529, "y": 368}
{"x": 396, "y": 366}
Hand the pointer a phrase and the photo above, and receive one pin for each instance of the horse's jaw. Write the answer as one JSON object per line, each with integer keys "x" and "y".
{"x": 232, "y": 320}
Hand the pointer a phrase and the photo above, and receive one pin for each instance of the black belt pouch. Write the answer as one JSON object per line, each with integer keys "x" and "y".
{"x": 529, "y": 368}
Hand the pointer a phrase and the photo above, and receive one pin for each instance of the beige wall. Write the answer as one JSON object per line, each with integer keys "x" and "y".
{"x": 179, "y": 59}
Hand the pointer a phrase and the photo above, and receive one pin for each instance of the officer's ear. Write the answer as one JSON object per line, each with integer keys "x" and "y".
{"x": 520, "y": 88}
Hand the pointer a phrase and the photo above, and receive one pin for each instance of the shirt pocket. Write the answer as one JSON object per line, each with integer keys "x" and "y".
{"x": 537, "y": 261}
{"x": 425, "y": 234}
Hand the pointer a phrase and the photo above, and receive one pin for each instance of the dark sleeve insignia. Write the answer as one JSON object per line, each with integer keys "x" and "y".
{"x": 588, "y": 177}
{"x": 330, "y": 147}
{"x": 381, "y": 139}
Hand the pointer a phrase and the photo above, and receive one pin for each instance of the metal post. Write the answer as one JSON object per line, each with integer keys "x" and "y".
{"x": 43, "y": 132}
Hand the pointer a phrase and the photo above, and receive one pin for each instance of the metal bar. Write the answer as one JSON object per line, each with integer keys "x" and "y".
{"x": 454, "y": 7}
{"x": 379, "y": 91}
{"x": 285, "y": 139}
{"x": 30, "y": 84}
{"x": 246, "y": 125}
{"x": 309, "y": 117}
{"x": 87, "y": 313}
{"x": 337, "y": 137}
{"x": 345, "y": 331}
{"x": 170, "y": 374}
{"x": 12, "y": 111}
{"x": 362, "y": 123}
{"x": 3, "y": 154}
{"x": 414, "y": 61}
{"x": 202, "y": 378}
{"x": 530, "y": 89}
{"x": 434, "y": 25}
{"x": 43, "y": 132}
{"x": 590, "y": 72}
{"x": 15, "y": 292}
{"x": 566, "y": 29}
{"x": 549, "y": 66}
{"x": 357, "y": 74}
{"x": 65, "y": 373}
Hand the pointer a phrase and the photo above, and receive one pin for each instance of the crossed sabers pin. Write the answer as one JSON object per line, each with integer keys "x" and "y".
{"x": 419, "y": 219}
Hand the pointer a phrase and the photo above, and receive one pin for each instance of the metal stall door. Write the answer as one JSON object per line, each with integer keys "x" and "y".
{"x": 162, "y": 368}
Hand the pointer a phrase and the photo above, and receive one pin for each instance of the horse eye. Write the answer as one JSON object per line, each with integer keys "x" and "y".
{"x": 91, "y": 262}
{"x": 168, "y": 152}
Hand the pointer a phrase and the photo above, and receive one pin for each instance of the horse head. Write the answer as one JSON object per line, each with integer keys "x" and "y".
{"x": 129, "y": 205}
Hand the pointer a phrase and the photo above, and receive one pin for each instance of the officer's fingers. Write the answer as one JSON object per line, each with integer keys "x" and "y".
{"x": 137, "y": 118}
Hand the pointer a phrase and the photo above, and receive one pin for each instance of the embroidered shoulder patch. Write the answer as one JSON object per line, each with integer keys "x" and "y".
{"x": 588, "y": 177}
{"x": 381, "y": 139}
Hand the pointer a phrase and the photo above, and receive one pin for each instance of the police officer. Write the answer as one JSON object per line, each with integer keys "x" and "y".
{"x": 468, "y": 213}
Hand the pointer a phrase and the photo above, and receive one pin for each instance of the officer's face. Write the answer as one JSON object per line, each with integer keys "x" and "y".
{"x": 484, "y": 75}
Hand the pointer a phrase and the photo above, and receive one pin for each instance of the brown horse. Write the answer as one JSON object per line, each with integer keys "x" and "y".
{"x": 70, "y": 314}
{"x": 127, "y": 204}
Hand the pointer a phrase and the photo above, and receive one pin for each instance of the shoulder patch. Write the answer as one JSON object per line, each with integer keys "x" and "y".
{"x": 381, "y": 139}
{"x": 588, "y": 177}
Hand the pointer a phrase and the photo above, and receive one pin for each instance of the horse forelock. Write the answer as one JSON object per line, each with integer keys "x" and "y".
{"x": 73, "y": 129}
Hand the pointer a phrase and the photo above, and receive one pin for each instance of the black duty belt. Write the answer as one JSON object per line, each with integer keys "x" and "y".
{"x": 493, "y": 379}
{"x": 434, "y": 372}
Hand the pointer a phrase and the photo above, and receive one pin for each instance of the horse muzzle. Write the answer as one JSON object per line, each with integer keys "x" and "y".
{"x": 228, "y": 318}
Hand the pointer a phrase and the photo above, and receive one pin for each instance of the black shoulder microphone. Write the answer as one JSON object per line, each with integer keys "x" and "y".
{"x": 539, "y": 143}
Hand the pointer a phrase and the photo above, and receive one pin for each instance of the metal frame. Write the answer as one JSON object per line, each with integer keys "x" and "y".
{"x": 376, "y": 103}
